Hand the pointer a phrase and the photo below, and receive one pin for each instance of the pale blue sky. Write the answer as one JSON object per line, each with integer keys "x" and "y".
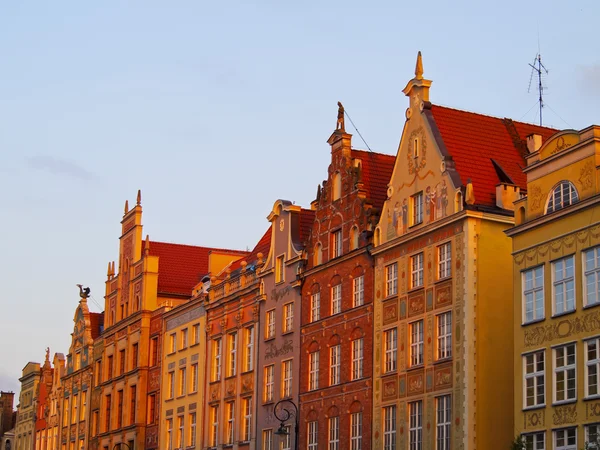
{"x": 216, "y": 109}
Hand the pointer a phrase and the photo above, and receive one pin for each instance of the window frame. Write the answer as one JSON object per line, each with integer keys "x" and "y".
{"x": 534, "y": 290}
{"x": 288, "y": 317}
{"x": 417, "y": 343}
{"x": 391, "y": 279}
{"x": 270, "y": 324}
{"x": 389, "y": 427}
{"x": 573, "y": 197}
{"x": 334, "y": 433}
{"x": 417, "y": 279}
{"x": 563, "y": 283}
{"x": 269, "y": 386}
{"x": 315, "y": 307}
{"x": 336, "y": 244}
{"x": 357, "y": 349}
{"x": 358, "y": 291}
{"x": 416, "y": 209}
{"x": 565, "y": 368}
{"x": 415, "y": 425}
{"x": 444, "y": 261}
{"x": 443, "y": 335}
{"x": 390, "y": 360}
{"x": 535, "y": 376}
{"x": 280, "y": 269}
{"x": 595, "y": 363}
{"x": 335, "y": 364}
{"x": 336, "y": 299}
{"x": 587, "y": 273}
{"x": 313, "y": 370}
{"x": 443, "y": 422}
{"x": 555, "y": 433}
{"x": 287, "y": 377}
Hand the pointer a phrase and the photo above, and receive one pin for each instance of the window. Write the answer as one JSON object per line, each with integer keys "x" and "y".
{"x": 286, "y": 382}
{"x": 592, "y": 367}
{"x": 269, "y": 381}
{"x": 194, "y": 381}
{"x": 318, "y": 255}
{"x": 182, "y": 381}
{"x": 444, "y": 335}
{"x": 335, "y": 355}
{"x": 216, "y": 362}
{"x": 535, "y": 380}
{"x": 107, "y": 408}
{"x": 214, "y": 426}
{"x": 416, "y": 148}
{"x": 415, "y": 434}
{"x": 192, "y": 438}
{"x": 416, "y": 343}
{"x": 417, "y": 208}
{"x": 288, "y": 317}
{"x": 336, "y": 244}
{"x": 286, "y": 440}
{"x": 132, "y": 404}
{"x": 65, "y": 409}
{"x": 134, "y": 355}
{"x": 196, "y": 334}
{"x": 232, "y": 347}
{"x": 336, "y": 299}
{"x": 77, "y": 361}
{"x": 563, "y": 285}
{"x": 390, "y": 339}
{"x": 169, "y": 434}
{"x": 184, "y": 338}
{"x": 82, "y": 410}
{"x": 565, "y": 439}
{"x": 354, "y": 238}
{"x": 151, "y": 409}
{"x": 336, "y": 190}
{"x": 391, "y": 279}
{"x": 279, "y": 269}
{"x": 443, "y": 422}
{"x": 357, "y": 358}
{"x": 247, "y": 411}
{"x": 98, "y": 373}
{"x": 356, "y": 431}
{"x": 359, "y": 291}
{"x": 121, "y": 362}
{"x": 74, "y": 405}
{"x": 313, "y": 374}
{"x": 119, "y": 409}
{"x": 230, "y": 423}
{"x": 315, "y": 307}
{"x": 267, "y": 440}
{"x": 270, "y": 326}
{"x": 180, "y": 432}
{"x": 334, "y": 433}
{"x": 109, "y": 368}
{"x": 416, "y": 266}
{"x": 592, "y": 276}
{"x": 154, "y": 351}
{"x": 563, "y": 195}
{"x": 444, "y": 255}
{"x": 389, "y": 428}
{"x": 592, "y": 436}
{"x": 534, "y": 441}
{"x": 249, "y": 349}
{"x": 171, "y": 385}
{"x": 533, "y": 294}
{"x": 172, "y": 343}
{"x": 565, "y": 385}
{"x": 313, "y": 431}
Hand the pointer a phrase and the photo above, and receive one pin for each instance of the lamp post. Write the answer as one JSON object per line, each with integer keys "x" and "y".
{"x": 122, "y": 443}
{"x": 285, "y": 416}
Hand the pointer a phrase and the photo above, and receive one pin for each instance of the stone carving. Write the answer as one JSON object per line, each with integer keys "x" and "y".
{"x": 586, "y": 175}
{"x": 417, "y": 161}
{"x": 535, "y": 197}
{"x": 279, "y": 294}
{"x": 537, "y": 335}
{"x": 443, "y": 377}
{"x": 416, "y": 384}
{"x": 390, "y": 388}
{"x": 416, "y": 305}
{"x": 247, "y": 382}
{"x": 565, "y": 414}
{"x": 215, "y": 391}
{"x": 443, "y": 295}
{"x": 390, "y": 312}
{"x": 230, "y": 388}
{"x": 273, "y": 351}
{"x": 592, "y": 410}
{"x": 533, "y": 419}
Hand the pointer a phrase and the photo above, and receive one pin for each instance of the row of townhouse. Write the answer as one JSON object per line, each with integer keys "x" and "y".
{"x": 407, "y": 308}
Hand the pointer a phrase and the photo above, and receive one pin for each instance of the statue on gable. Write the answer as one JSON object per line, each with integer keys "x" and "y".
{"x": 340, "y": 118}
{"x": 83, "y": 293}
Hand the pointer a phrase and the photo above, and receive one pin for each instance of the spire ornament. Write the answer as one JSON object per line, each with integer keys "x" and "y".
{"x": 139, "y": 197}
{"x": 126, "y": 207}
{"x": 419, "y": 67}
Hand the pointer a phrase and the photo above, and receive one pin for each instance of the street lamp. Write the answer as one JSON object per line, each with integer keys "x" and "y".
{"x": 122, "y": 443}
{"x": 285, "y": 416}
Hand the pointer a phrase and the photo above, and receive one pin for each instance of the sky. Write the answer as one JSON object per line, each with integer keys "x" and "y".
{"x": 217, "y": 109}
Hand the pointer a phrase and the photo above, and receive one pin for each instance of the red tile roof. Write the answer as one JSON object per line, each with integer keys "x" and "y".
{"x": 181, "y": 267}
{"x": 307, "y": 219}
{"x": 376, "y": 174}
{"x": 263, "y": 246}
{"x": 97, "y": 324}
{"x": 473, "y": 140}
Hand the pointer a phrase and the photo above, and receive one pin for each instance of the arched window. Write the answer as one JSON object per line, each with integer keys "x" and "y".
{"x": 138, "y": 304}
{"x": 458, "y": 202}
{"x": 563, "y": 194}
{"x": 520, "y": 215}
{"x": 336, "y": 189}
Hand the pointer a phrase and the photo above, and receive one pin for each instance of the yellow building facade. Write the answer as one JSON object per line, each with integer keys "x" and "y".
{"x": 556, "y": 262}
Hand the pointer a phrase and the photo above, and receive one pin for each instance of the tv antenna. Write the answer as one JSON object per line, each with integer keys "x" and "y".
{"x": 540, "y": 69}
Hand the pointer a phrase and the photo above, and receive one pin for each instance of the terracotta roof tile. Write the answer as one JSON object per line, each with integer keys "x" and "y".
{"x": 307, "y": 219}
{"x": 473, "y": 140}
{"x": 263, "y": 246}
{"x": 97, "y": 324}
{"x": 376, "y": 173}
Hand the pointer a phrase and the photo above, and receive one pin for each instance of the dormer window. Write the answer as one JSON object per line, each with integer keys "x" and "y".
{"x": 336, "y": 188}
{"x": 564, "y": 194}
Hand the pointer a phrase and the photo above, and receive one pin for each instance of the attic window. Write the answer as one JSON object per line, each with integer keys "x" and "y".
{"x": 564, "y": 194}
{"x": 336, "y": 188}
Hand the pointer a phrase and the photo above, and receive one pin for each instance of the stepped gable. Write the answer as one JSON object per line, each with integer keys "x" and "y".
{"x": 473, "y": 140}
{"x": 376, "y": 173}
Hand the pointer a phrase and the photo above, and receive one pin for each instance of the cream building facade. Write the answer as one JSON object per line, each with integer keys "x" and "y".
{"x": 25, "y": 427}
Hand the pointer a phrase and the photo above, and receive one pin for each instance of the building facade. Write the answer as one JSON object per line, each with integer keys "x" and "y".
{"x": 43, "y": 436}
{"x": 25, "y": 426}
{"x": 7, "y": 414}
{"x": 278, "y": 362}
{"x": 443, "y": 314}
{"x": 556, "y": 265}
{"x": 55, "y": 403}
{"x": 337, "y": 299}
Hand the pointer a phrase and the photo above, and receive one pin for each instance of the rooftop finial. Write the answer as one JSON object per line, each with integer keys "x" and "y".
{"x": 340, "y": 118}
{"x": 126, "y": 206}
{"x": 139, "y": 197}
{"x": 419, "y": 67}
{"x": 147, "y": 246}
{"x": 108, "y": 270}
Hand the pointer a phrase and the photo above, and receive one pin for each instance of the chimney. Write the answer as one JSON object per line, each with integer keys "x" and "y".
{"x": 506, "y": 195}
{"x": 534, "y": 142}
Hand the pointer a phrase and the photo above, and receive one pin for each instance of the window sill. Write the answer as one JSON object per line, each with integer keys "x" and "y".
{"x": 416, "y": 289}
{"x": 564, "y": 402}
{"x": 533, "y": 408}
{"x": 268, "y": 402}
{"x": 270, "y": 338}
{"x": 591, "y": 305}
{"x": 182, "y": 349}
{"x": 524, "y": 324}
{"x": 391, "y": 372}
{"x": 415, "y": 367}
{"x": 443, "y": 360}
{"x": 591, "y": 397}
{"x": 287, "y": 332}
{"x": 441, "y": 280}
{"x": 195, "y": 344}
{"x": 171, "y": 353}
{"x": 566, "y": 313}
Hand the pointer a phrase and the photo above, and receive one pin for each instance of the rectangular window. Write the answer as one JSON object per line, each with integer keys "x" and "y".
{"x": 270, "y": 325}
{"x": 357, "y": 358}
{"x": 335, "y": 356}
{"x": 336, "y": 244}
{"x": 172, "y": 343}
{"x": 592, "y": 366}
{"x": 83, "y": 408}
{"x": 288, "y": 317}
{"x": 192, "y": 438}
{"x": 98, "y": 373}
{"x": 230, "y": 423}
{"x": 267, "y": 440}
{"x": 77, "y": 360}
{"x": 416, "y": 343}
{"x": 134, "y": 355}
{"x": 196, "y": 334}
{"x": 336, "y": 299}
{"x": 74, "y": 405}
{"x": 444, "y": 335}
{"x": 249, "y": 349}
{"x": 535, "y": 379}
{"x": 417, "y": 209}
{"x": 391, "y": 279}
{"x": 313, "y": 432}
{"x": 334, "y": 433}
{"x": 534, "y": 441}
{"x": 359, "y": 291}
{"x": 184, "y": 338}
{"x": 216, "y": 362}
{"x": 194, "y": 380}
{"x": 121, "y": 362}
{"x": 119, "y": 409}
{"x": 563, "y": 285}
{"x": 592, "y": 276}
{"x": 315, "y": 307}
{"x": 171, "y": 385}
{"x": 182, "y": 381}
{"x": 107, "y": 411}
{"x": 313, "y": 367}
{"x": 286, "y": 440}
{"x": 356, "y": 431}
{"x": 416, "y": 271}
{"x": 180, "y": 432}
{"x": 565, "y": 384}
{"x": 247, "y": 411}
{"x": 232, "y": 356}
{"x": 279, "y": 269}
{"x": 169, "y": 434}
{"x": 214, "y": 426}
{"x": 565, "y": 439}
{"x": 444, "y": 255}
{"x": 415, "y": 430}
{"x": 269, "y": 382}
{"x": 109, "y": 368}
{"x": 443, "y": 422}
{"x": 390, "y": 339}
{"x": 65, "y": 409}
{"x": 151, "y": 409}
{"x": 592, "y": 436}
{"x": 153, "y": 351}
{"x": 286, "y": 382}
{"x": 533, "y": 294}
{"x": 132, "y": 404}
{"x": 389, "y": 428}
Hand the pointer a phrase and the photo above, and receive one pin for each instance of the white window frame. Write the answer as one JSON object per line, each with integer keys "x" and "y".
{"x": 280, "y": 269}
{"x": 592, "y": 368}
{"x": 416, "y": 271}
{"x": 269, "y": 383}
{"x": 534, "y": 379}
{"x": 536, "y": 291}
{"x": 356, "y": 428}
{"x": 217, "y": 347}
{"x": 565, "y": 370}
{"x": 335, "y": 356}
{"x": 358, "y": 287}
{"x": 591, "y": 276}
{"x": 315, "y": 307}
{"x": 357, "y": 358}
{"x": 592, "y": 443}
{"x": 443, "y": 422}
{"x": 193, "y": 418}
{"x": 247, "y": 429}
{"x": 415, "y": 425}
{"x": 249, "y": 361}
{"x": 336, "y": 243}
{"x": 391, "y": 279}
{"x": 180, "y": 431}
{"x": 336, "y": 299}
{"x": 313, "y": 435}
{"x": 286, "y": 378}
{"x": 232, "y": 357}
{"x": 288, "y": 317}
{"x": 313, "y": 371}
{"x": 270, "y": 324}
{"x": 562, "y": 285}
{"x": 390, "y": 340}
{"x": 169, "y": 434}
{"x": 416, "y": 343}
{"x": 535, "y": 440}
{"x": 389, "y": 427}
{"x": 214, "y": 435}
{"x": 268, "y": 439}
{"x": 230, "y": 432}
{"x": 182, "y": 381}
{"x": 559, "y": 199}
{"x": 286, "y": 440}
{"x": 417, "y": 208}
{"x": 444, "y": 254}
{"x": 564, "y": 434}
{"x": 444, "y": 335}
{"x": 334, "y": 433}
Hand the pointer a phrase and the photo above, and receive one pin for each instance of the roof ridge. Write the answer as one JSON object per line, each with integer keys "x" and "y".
{"x": 369, "y": 152}
{"x": 200, "y": 247}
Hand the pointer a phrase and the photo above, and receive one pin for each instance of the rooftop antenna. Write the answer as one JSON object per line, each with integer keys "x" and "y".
{"x": 540, "y": 69}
